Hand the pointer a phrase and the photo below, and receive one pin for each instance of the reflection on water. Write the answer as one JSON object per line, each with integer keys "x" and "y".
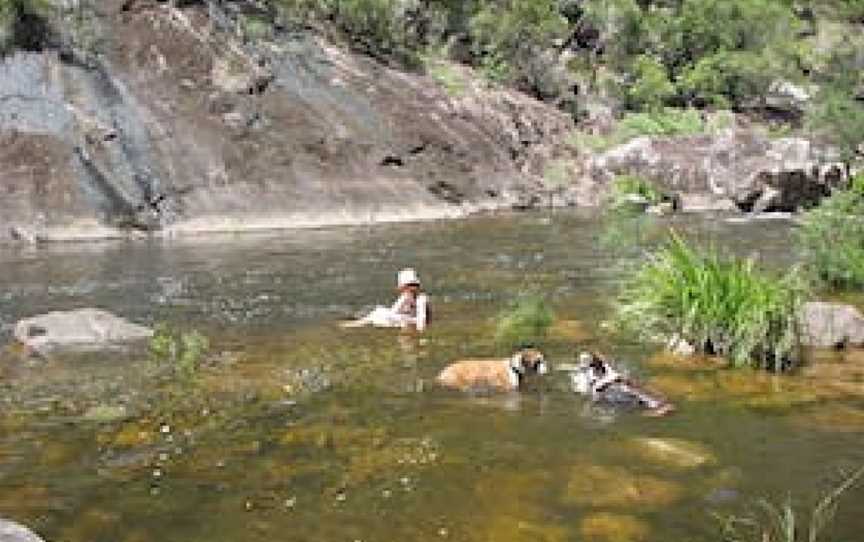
{"x": 300, "y": 430}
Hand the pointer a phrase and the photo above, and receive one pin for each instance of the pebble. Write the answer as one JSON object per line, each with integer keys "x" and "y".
{"x": 165, "y": 428}
{"x": 442, "y": 532}
{"x": 157, "y": 473}
{"x": 290, "y": 503}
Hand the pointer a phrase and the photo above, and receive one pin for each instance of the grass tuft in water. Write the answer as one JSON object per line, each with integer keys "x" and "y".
{"x": 782, "y": 523}
{"x": 526, "y": 320}
{"x": 723, "y": 306}
{"x": 831, "y": 238}
{"x": 183, "y": 350}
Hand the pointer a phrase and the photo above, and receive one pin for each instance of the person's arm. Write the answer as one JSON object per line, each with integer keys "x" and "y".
{"x": 397, "y": 305}
{"x": 422, "y": 311}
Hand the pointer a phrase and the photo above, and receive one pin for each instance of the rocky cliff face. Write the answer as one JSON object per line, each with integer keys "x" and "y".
{"x": 163, "y": 119}
{"x": 178, "y": 125}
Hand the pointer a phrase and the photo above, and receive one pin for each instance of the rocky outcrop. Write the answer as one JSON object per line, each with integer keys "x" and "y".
{"x": 735, "y": 170}
{"x": 13, "y": 532}
{"x": 831, "y": 325}
{"x": 177, "y": 124}
{"x": 77, "y": 329}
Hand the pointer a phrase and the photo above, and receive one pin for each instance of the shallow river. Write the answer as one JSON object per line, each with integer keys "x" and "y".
{"x": 298, "y": 430}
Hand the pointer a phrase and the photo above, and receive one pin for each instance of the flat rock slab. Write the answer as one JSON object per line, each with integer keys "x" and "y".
{"x": 13, "y": 532}
{"x": 832, "y": 325}
{"x": 78, "y": 329}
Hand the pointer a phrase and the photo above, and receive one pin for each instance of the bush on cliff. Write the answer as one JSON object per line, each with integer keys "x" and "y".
{"x": 25, "y": 24}
{"x": 721, "y": 305}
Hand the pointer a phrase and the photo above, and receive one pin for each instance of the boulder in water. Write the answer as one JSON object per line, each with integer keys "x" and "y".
{"x": 608, "y": 527}
{"x": 674, "y": 452}
{"x": 77, "y": 329}
{"x": 13, "y": 532}
{"x": 832, "y": 325}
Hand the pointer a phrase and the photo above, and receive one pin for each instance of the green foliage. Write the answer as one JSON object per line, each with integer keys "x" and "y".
{"x": 665, "y": 122}
{"x": 839, "y": 118}
{"x": 446, "y": 74}
{"x": 720, "y": 305}
{"x": 625, "y": 187}
{"x": 511, "y": 38}
{"x": 773, "y": 523}
{"x": 376, "y": 27}
{"x": 183, "y": 350}
{"x": 651, "y": 87}
{"x": 705, "y": 51}
{"x": 831, "y": 238}
{"x": 25, "y": 24}
{"x": 557, "y": 173}
{"x": 526, "y": 320}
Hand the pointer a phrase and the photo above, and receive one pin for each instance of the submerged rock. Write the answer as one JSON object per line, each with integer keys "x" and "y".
{"x": 106, "y": 413}
{"x": 606, "y": 486}
{"x": 832, "y": 325}
{"x": 14, "y": 532}
{"x": 77, "y": 329}
{"x": 607, "y": 527}
{"x": 674, "y": 452}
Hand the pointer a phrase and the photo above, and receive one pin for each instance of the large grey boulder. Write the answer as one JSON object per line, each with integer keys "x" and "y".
{"x": 831, "y": 325}
{"x": 86, "y": 329}
{"x": 13, "y": 532}
{"x": 735, "y": 169}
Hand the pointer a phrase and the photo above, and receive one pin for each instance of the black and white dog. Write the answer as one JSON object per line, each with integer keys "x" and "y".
{"x": 597, "y": 378}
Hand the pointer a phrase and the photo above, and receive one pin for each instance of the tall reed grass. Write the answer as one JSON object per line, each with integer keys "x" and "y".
{"x": 782, "y": 523}
{"x": 526, "y": 320}
{"x": 721, "y": 305}
{"x": 831, "y": 239}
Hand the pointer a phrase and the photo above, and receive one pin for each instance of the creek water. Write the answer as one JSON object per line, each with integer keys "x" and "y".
{"x": 298, "y": 430}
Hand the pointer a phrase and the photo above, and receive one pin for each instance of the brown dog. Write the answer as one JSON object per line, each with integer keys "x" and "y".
{"x": 493, "y": 374}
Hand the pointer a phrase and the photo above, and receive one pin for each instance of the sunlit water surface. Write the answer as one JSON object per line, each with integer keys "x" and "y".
{"x": 298, "y": 430}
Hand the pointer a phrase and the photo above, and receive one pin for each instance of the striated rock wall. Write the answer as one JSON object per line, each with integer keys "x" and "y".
{"x": 180, "y": 126}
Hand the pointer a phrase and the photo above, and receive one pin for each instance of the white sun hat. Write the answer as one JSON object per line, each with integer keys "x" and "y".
{"x": 406, "y": 277}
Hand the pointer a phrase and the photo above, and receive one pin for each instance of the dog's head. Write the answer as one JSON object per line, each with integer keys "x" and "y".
{"x": 527, "y": 361}
{"x": 592, "y": 367}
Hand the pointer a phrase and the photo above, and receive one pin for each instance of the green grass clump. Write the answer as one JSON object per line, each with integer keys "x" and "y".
{"x": 667, "y": 122}
{"x": 627, "y": 186}
{"x": 831, "y": 238}
{"x": 782, "y": 523}
{"x": 664, "y": 122}
{"x": 448, "y": 76}
{"x": 724, "y": 306}
{"x": 183, "y": 350}
{"x": 526, "y": 320}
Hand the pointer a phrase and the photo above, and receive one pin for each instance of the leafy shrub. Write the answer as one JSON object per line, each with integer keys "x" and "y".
{"x": 651, "y": 87}
{"x": 723, "y": 306}
{"x": 627, "y": 186}
{"x": 664, "y": 122}
{"x": 183, "y": 350}
{"x": 26, "y": 24}
{"x": 831, "y": 238}
{"x": 527, "y": 320}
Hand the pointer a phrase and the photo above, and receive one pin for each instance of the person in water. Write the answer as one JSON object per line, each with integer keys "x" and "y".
{"x": 411, "y": 309}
